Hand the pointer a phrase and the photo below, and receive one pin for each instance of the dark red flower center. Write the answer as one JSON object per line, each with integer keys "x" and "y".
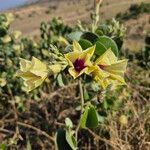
{"x": 102, "y": 67}
{"x": 79, "y": 65}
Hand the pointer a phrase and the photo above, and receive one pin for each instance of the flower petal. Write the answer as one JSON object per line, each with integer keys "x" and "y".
{"x": 76, "y": 47}
{"x": 71, "y": 57}
{"x": 25, "y": 65}
{"x": 89, "y": 52}
{"x": 118, "y": 66}
{"x": 118, "y": 78}
{"x": 38, "y": 68}
{"x": 107, "y": 58}
{"x": 73, "y": 72}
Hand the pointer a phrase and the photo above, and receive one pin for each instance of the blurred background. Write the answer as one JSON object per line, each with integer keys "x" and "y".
{"x": 27, "y": 121}
{"x": 31, "y": 13}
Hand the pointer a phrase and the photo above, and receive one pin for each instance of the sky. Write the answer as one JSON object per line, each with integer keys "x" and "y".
{"x": 6, "y": 4}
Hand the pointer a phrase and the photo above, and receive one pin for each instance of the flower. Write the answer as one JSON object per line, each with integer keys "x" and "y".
{"x": 79, "y": 60}
{"x": 33, "y": 73}
{"x": 108, "y": 70}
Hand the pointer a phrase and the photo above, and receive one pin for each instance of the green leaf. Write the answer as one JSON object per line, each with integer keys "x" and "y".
{"x": 60, "y": 80}
{"x": 92, "y": 119}
{"x": 74, "y": 36}
{"x": 61, "y": 142}
{"x": 85, "y": 43}
{"x": 71, "y": 139}
{"x": 83, "y": 119}
{"x": 95, "y": 86}
{"x": 100, "y": 48}
{"x": 3, "y": 31}
{"x": 68, "y": 123}
{"x": 90, "y": 37}
{"x": 99, "y": 32}
{"x": 105, "y": 104}
{"x": 86, "y": 94}
{"x": 3, "y": 147}
{"x": 89, "y": 119}
{"x": 101, "y": 119}
{"x": 103, "y": 28}
{"x": 109, "y": 43}
{"x": 29, "y": 147}
{"x": 67, "y": 49}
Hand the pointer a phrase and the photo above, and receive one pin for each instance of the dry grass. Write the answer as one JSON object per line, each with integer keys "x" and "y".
{"x": 40, "y": 120}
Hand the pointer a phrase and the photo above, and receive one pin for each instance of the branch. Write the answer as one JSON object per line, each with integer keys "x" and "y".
{"x": 37, "y": 130}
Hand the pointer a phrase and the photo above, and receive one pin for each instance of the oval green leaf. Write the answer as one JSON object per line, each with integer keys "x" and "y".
{"x": 71, "y": 140}
{"x": 100, "y": 48}
{"x": 90, "y": 36}
{"x": 85, "y": 43}
{"x": 89, "y": 118}
{"x": 109, "y": 43}
{"x": 92, "y": 119}
{"x": 74, "y": 36}
{"x": 61, "y": 142}
{"x": 83, "y": 119}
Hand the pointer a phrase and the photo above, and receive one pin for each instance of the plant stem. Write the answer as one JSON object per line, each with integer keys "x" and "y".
{"x": 96, "y": 14}
{"x": 82, "y": 105}
{"x": 82, "y": 95}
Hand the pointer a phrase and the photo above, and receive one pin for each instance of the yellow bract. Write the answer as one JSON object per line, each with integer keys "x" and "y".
{"x": 33, "y": 73}
{"x": 82, "y": 56}
{"x": 108, "y": 70}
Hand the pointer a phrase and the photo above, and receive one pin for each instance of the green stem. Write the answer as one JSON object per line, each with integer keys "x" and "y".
{"x": 82, "y": 105}
{"x": 82, "y": 95}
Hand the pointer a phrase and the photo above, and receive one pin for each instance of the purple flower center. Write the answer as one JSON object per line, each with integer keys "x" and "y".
{"x": 79, "y": 65}
{"x": 102, "y": 67}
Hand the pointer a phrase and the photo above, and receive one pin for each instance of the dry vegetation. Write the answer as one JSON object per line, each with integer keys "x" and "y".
{"x": 35, "y": 125}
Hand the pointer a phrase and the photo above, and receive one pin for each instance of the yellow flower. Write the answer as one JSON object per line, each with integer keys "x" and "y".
{"x": 79, "y": 60}
{"x": 108, "y": 70}
{"x": 33, "y": 73}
